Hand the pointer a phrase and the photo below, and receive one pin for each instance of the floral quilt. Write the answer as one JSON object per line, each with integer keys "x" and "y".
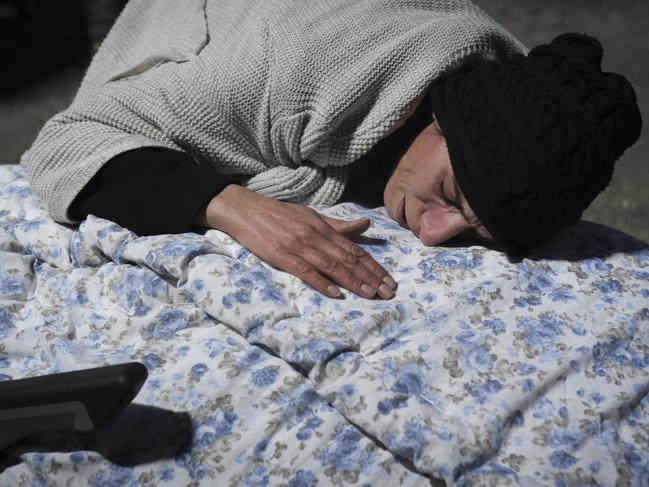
{"x": 482, "y": 370}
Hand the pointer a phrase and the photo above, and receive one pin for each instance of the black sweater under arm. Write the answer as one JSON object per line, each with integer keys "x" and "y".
{"x": 151, "y": 191}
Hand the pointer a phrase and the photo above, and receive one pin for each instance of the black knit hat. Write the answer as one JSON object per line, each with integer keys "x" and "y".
{"x": 534, "y": 139}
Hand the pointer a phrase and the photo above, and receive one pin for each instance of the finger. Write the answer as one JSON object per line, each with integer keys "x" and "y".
{"x": 352, "y": 228}
{"x": 307, "y": 272}
{"x": 379, "y": 271}
{"x": 329, "y": 256}
{"x": 355, "y": 278}
{"x": 380, "y": 275}
{"x": 331, "y": 230}
{"x": 337, "y": 272}
{"x": 354, "y": 232}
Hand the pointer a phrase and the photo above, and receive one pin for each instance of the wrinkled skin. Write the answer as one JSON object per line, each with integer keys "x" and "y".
{"x": 435, "y": 208}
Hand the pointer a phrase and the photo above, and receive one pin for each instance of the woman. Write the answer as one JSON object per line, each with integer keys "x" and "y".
{"x": 236, "y": 117}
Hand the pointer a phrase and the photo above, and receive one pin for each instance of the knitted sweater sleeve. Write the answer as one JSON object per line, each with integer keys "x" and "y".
{"x": 151, "y": 191}
{"x": 68, "y": 153}
{"x": 119, "y": 106}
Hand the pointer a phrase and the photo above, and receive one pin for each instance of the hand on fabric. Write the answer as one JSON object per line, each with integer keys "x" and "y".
{"x": 297, "y": 239}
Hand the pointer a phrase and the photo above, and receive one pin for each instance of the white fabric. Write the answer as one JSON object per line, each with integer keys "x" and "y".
{"x": 480, "y": 371}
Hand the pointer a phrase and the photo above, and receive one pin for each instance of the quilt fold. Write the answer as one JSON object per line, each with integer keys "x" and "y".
{"x": 480, "y": 371}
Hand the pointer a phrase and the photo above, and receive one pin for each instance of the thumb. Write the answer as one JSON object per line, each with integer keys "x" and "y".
{"x": 349, "y": 228}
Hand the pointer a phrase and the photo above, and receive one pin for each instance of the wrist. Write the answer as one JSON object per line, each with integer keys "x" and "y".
{"x": 215, "y": 212}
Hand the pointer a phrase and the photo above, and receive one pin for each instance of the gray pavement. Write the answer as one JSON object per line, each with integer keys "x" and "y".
{"x": 29, "y": 96}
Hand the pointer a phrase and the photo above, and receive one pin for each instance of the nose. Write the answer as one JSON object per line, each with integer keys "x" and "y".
{"x": 438, "y": 225}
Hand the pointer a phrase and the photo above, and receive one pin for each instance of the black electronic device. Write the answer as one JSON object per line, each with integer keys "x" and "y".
{"x": 81, "y": 400}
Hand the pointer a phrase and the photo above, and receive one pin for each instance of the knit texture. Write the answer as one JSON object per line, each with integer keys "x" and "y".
{"x": 286, "y": 93}
{"x": 534, "y": 140}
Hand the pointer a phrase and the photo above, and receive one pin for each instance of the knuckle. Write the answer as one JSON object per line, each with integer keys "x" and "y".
{"x": 304, "y": 267}
{"x": 358, "y": 250}
{"x": 277, "y": 250}
{"x": 379, "y": 271}
{"x": 329, "y": 263}
{"x": 303, "y": 233}
{"x": 370, "y": 276}
{"x": 377, "y": 277}
{"x": 328, "y": 231}
{"x": 364, "y": 275}
{"x": 354, "y": 249}
{"x": 350, "y": 259}
{"x": 372, "y": 266}
{"x": 291, "y": 241}
{"x": 338, "y": 238}
{"x": 356, "y": 283}
{"x": 319, "y": 283}
{"x": 371, "y": 269}
{"x": 373, "y": 280}
{"x": 309, "y": 238}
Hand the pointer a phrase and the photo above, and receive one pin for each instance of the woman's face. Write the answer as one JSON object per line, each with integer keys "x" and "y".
{"x": 423, "y": 196}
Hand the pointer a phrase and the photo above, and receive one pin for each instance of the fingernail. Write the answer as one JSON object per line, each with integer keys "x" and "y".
{"x": 368, "y": 290}
{"x": 390, "y": 282}
{"x": 385, "y": 291}
{"x": 334, "y": 291}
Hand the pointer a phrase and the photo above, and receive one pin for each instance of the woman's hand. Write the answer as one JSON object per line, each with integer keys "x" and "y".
{"x": 298, "y": 240}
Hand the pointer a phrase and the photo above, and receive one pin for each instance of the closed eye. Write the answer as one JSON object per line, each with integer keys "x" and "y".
{"x": 446, "y": 199}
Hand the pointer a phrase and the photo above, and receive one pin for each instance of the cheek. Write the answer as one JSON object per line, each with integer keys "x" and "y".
{"x": 438, "y": 225}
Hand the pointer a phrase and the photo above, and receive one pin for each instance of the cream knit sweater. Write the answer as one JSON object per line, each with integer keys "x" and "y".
{"x": 286, "y": 93}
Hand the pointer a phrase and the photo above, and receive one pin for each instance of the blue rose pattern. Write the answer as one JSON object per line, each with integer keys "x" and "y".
{"x": 480, "y": 371}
